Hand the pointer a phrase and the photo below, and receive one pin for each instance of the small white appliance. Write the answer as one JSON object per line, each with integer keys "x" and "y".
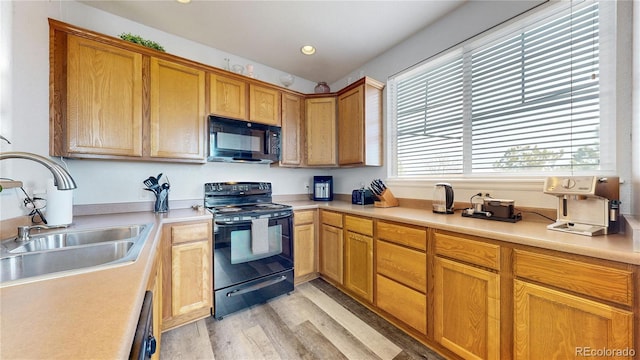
{"x": 587, "y": 205}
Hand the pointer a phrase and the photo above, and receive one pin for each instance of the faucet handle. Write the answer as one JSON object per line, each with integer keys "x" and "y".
{"x": 23, "y": 233}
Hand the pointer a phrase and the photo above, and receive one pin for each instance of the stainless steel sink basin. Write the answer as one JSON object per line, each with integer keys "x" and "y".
{"x": 76, "y": 238}
{"x": 48, "y": 255}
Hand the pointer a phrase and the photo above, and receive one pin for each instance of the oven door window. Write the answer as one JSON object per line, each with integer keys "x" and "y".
{"x": 244, "y": 245}
{"x": 237, "y": 262}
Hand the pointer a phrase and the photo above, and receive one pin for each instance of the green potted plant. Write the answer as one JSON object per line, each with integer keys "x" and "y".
{"x": 137, "y": 39}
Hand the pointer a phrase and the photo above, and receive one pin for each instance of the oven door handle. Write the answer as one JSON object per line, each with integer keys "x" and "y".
{"x": 236, "y": 223}
{"x": 257, "y": 286}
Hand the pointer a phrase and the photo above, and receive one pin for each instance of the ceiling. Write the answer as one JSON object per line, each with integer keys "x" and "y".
{"x": 347, "y": 34}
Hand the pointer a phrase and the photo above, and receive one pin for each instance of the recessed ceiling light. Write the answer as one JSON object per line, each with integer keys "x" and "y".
{"x": 308, "y": 50}
{"x": 184, "y": 1}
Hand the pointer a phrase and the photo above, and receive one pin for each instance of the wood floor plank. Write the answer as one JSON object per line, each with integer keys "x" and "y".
{"x": 260, "y": 340}
{"x": 380, "y": 345}
{"x": 316, "y": 343}
{"x": 307, "y": 310}
{"x": 413, "y": 348}
{"x": 190, "y": 341}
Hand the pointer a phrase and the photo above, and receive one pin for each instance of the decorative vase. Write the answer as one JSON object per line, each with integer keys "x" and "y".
{"x": 322, "y": 88}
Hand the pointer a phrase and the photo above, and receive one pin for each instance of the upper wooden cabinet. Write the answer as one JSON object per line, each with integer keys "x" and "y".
{"x": 103, "y": 98}
{"x": 228, "y": 97}
{"x": 240, "y": 99}
{"x": 264, "y": 105}
{"x": 292, "y": 145}
{"x": 112, "y": 99}
{"x": 321, "y": 131}
{"x": 360, "y": 124}
{"x": 177, "y": 126}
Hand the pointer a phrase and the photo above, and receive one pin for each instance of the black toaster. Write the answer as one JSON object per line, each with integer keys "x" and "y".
{"x": 362, "y": 197}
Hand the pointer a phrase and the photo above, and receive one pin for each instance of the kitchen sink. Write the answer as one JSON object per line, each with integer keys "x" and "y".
{"x": 77, "y": 238}
{"x": 48, "y": 255}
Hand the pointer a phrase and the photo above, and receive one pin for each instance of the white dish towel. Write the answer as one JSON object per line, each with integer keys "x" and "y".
{"x": 260, "y": 236}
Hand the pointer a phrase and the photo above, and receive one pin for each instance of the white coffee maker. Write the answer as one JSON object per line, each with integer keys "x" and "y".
{"x": 587, "y": 205}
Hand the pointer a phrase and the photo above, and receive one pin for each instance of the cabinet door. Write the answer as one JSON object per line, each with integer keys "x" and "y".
{"x": 228, "y": 97}
{"x": 264, "y": 105}
{"x": 104, "y": 99}
{"x": 187, "y": 273}
{"x": 550, "y": 324}
{"x": 331, "y": 253}
{"x": 467, "y": 310}
{"x": 304, "y": 251}
{"x": 359, "y": 265}
{"x": 190, "y": 280}
{"x": 401, "y": 301}
{"x": 177, "y": 127}
{"x": 291, "y": 141}
{"x": 321, "y": 131}
{"x": 351, "y": 127}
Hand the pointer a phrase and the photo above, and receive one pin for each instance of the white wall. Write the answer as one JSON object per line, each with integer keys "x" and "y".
{"x": 24, "y": 110}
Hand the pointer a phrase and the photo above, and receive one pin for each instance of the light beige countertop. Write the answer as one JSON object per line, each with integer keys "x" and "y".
{"x": 89, "y": 315}
{"x": 93, "y": 315}
{"x": 618, "y": 247}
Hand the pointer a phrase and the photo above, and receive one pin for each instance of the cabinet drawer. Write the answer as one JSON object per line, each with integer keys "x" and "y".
{"x": 402, "y": 302}
{"x": 599, "y": 281}
{"x": 406, "y": 266}
{"x": 470, "y": 251}
{"x": 331, "y": 218}
{"x": 403, "y": 235}
{"x": 190, "y": 232}
{"x": 303, "y": 217}
{"x": 359, "y": 225}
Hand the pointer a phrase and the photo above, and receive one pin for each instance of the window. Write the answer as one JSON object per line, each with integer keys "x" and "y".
{"x": 523, "y": 103}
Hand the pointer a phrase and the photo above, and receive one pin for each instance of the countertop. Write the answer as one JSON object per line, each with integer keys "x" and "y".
{"x": 93, "y": 315}
{"x": 616, "y": 247}
{"x": 89, "y": 315}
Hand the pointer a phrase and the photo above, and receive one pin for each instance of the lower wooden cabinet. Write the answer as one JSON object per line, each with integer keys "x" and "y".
{"x": 358, "y": 260}
{"x": 551, "y": 324}
{"x": 304, "y": 246}
{"x": 563, "y": 307}
{"x": 403, "y": 302}
{"x": 187, "y": 274}
{"x": 331, "y": 252}
{"x": 467, "y": 309}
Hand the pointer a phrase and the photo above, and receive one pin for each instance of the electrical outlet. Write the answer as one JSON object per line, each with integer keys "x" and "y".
{"x": 145, "y": 195}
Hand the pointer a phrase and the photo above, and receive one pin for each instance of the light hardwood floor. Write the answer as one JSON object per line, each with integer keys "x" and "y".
{"x": 316, "y": 321}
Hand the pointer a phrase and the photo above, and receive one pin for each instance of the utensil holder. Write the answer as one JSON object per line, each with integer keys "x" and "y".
{"x": 162, "y": 202}
{"x": 386, "y": 199}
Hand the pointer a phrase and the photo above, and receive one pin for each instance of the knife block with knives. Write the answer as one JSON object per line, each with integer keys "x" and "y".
{"x": 384, "y": 195}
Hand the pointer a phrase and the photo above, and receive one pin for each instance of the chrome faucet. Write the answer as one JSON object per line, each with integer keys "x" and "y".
{"x": 24, "y": 231}
{"x": 61, "y": 178}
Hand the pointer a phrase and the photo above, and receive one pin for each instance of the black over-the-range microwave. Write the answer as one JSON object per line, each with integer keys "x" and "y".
{"x": 242, "y": 141}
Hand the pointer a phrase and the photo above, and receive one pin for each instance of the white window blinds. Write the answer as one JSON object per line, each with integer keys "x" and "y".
{"x": 524, "y": 103}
